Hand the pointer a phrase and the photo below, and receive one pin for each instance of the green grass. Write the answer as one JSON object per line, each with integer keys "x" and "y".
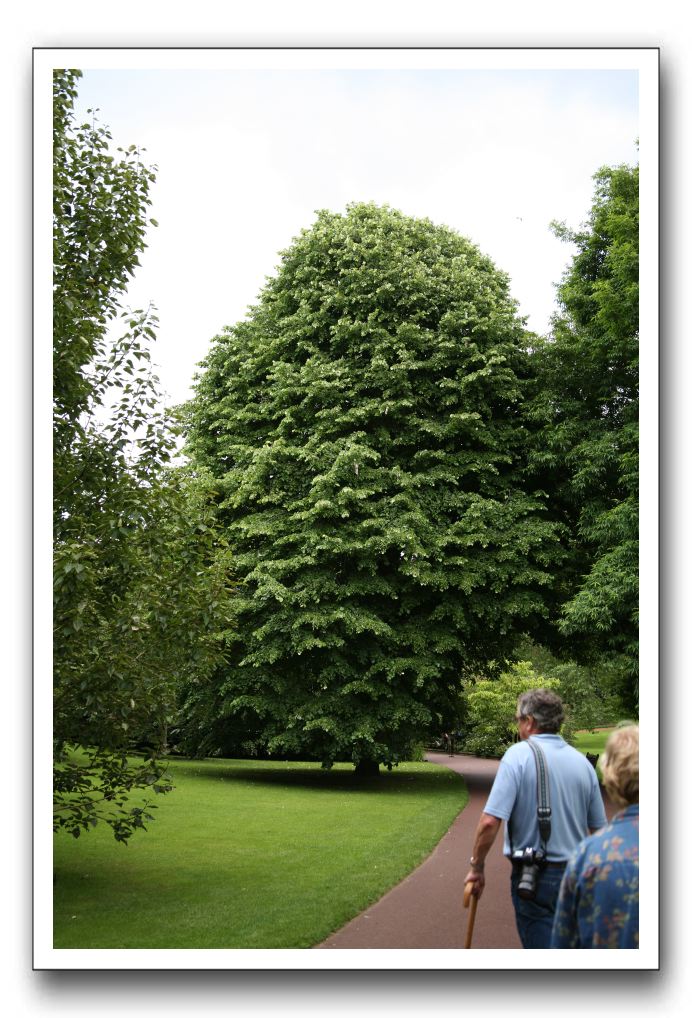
{"x": 591, "y": 742}
{"x": 246, "y": 854}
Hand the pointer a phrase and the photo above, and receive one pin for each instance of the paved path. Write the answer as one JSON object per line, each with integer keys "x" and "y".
{"x": 426, "y": 909}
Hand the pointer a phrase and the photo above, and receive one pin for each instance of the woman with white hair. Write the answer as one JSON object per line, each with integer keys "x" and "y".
{"x": 598, "y": 903}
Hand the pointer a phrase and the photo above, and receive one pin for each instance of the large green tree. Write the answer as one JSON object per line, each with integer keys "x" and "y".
{"x": 365, "y": 428}
{"x": 140, "y": 572}
{"x": 587, "y": 408}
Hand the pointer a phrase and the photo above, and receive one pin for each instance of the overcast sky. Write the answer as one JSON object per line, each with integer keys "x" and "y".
{"x": 245, "y": 157}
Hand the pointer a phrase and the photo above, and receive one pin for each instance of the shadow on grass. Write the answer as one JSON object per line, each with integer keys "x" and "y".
{"x": 314, "y": 777}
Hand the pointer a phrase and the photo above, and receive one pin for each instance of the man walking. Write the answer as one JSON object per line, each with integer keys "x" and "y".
{"x": 573, "y": 799}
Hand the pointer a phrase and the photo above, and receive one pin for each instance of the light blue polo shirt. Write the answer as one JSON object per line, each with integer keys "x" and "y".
{"x": 575, "y": 797}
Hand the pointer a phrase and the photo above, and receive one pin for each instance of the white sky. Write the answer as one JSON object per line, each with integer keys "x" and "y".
{"x": 245, "y": 157}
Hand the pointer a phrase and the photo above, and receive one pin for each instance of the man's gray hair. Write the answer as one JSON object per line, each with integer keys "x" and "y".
{"x": 544, "y": 706}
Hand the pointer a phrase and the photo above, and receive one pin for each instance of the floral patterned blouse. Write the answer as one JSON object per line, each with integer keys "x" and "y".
{"x": 598, "y": 904}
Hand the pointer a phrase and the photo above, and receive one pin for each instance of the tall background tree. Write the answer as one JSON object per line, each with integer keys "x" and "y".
{"x": 587, "y": 410}
{"x": 140, "y": 572}
{"x": 366, "y": 431}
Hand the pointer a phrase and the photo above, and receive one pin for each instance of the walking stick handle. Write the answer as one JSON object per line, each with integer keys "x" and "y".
{"x": 470, "y": 898}
{"x": 468, "y": 893}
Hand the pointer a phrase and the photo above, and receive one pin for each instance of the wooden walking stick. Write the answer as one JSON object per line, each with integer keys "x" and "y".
{"x": 470, "y": 897}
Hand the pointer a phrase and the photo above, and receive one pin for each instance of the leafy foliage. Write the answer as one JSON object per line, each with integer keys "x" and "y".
{"x": 592, "y": 694}
{"x": 140, "y": 573}
{"x": 365, "y": 428}
{"x": 491, "y": 706}
{"x": 140, "y": 589}
{"x": 100, "y": 219}
{"x": 93, "y": 785}
{"x": 587, "y": 406}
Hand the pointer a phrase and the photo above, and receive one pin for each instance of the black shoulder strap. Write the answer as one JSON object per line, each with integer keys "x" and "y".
{"x": 542, "y": 791}
{"x": 543, "y": 808}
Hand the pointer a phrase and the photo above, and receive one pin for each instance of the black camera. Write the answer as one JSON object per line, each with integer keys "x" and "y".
{"x": 531, "y": 861}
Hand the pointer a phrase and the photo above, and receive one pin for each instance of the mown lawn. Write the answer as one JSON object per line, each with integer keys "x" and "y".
{"x": 592, "y": 742}
{"x": 251, "y": 854}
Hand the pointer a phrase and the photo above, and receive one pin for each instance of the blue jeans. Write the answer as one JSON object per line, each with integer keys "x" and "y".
{"x": 535, "y": 918}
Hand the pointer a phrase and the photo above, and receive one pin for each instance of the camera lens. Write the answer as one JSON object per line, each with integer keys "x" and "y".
{"x": 526, "y": 887}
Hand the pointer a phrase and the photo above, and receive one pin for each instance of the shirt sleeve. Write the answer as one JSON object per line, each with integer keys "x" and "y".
{"x": 503, "y": 794}
{"x": 596, "y": 815}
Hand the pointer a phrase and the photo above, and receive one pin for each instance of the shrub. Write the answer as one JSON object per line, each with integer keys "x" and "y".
{"x": 491, "y": 708}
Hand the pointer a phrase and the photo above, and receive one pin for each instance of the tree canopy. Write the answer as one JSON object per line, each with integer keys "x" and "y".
{"x": 587, "y": 408}
{"x": 140, "y": 573}
{"x": 366, "y": 432}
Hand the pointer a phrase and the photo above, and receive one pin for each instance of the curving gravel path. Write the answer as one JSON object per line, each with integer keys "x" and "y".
{"x": 426, "y": 909}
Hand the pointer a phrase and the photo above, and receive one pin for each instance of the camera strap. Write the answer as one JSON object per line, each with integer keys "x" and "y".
{"x": 543, "y": 807}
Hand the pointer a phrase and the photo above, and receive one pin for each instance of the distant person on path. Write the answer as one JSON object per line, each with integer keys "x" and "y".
{"x": 577, "y": 809}
{"x": 598, "y": 904}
